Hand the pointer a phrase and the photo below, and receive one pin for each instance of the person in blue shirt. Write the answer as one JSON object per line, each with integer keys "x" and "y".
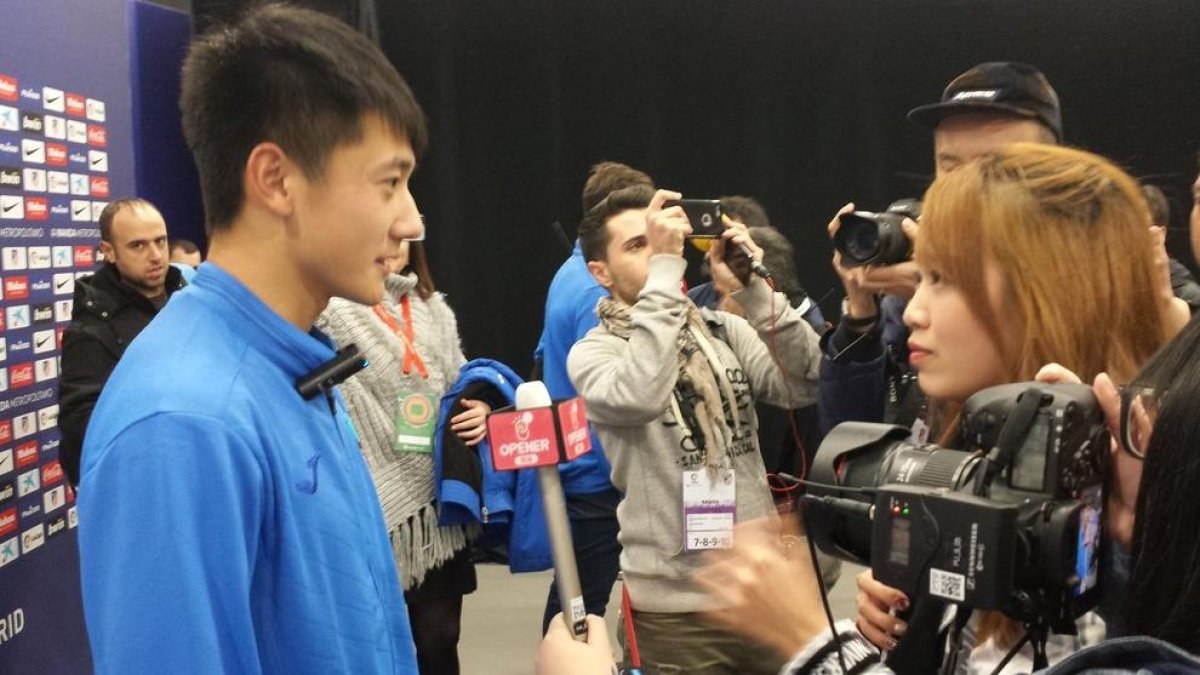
{"x": 228, "y": 523}
{"x": 591, "y": 498}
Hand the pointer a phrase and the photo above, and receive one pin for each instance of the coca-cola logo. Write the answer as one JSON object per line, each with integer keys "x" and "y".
{"x": 84, "y": 256}
{"x": 52, "y": 473}
{"x": 20, "y": 375}
{"x": 97, "y": 135}
{"x": 99, "y": 186}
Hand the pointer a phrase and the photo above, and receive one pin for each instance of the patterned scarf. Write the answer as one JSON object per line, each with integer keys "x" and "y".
{"x": 701, "y": 380}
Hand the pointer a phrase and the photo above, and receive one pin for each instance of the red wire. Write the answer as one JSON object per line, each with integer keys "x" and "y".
{"x": 635, "y": 658}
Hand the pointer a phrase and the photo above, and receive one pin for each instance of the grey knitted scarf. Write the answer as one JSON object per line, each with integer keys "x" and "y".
{"x": 404, "y": 480}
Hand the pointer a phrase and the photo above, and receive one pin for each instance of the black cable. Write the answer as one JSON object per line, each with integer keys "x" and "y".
{"x": 812, "y": 552}
{"x": 789, "y": 478}
{"x": 1011, "y": 653}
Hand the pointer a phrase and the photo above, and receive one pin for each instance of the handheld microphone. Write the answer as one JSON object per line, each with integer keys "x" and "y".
{"x": 755, "y": 266}
{"x": 535, "y": 395}
{"x": 331, "y": 373}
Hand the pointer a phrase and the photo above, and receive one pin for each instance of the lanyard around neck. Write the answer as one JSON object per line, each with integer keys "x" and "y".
{"x": 412, "y": 359}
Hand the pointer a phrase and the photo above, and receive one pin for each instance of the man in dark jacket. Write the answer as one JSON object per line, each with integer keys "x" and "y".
{"x": 111, "y": 308}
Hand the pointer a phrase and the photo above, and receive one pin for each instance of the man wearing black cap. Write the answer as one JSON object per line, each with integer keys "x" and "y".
{"x": 988, "y": 106}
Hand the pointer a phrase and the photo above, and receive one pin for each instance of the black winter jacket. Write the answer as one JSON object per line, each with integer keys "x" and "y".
{"x": 108, "y": 314}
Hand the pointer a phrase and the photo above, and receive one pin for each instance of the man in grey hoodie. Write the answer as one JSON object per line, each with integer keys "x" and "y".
{"x": 670, "y": 389}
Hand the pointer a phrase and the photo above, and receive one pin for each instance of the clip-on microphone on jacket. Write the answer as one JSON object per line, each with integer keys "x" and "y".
{"x": 333, "y": 372}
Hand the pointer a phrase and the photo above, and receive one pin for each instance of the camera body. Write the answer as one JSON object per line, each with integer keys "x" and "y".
{"x": 867, "y": 238}
{"x": 1010, "y": 523}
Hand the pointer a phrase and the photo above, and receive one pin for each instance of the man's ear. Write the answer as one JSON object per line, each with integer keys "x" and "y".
{"x": 269, "y": 179}
{"x": 107, "y": 250}
{"x": 599, "y": 270}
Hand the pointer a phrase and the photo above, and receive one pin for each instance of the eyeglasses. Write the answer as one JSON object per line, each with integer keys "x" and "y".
{"x": 1139, "y": 410}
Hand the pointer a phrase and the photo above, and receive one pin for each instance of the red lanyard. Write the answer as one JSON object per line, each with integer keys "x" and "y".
{"x": 412, "y": 360}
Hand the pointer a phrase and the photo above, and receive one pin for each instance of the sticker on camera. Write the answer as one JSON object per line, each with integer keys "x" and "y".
{"x": 947, "y": 585}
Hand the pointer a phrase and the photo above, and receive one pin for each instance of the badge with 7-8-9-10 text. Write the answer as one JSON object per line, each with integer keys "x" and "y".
{"x": 416, "y": 419}
{"x": 709, "y": 509}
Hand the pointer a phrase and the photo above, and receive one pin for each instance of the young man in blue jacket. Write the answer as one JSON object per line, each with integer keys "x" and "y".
{"x": 591, "y": 498}
{"x": 229, "y": 523}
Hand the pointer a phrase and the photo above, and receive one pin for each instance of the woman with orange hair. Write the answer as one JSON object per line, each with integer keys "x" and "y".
{"x": 1029, "y": 256}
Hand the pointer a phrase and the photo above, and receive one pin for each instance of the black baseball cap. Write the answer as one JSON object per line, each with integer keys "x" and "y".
{"x": 1016, "y": 89}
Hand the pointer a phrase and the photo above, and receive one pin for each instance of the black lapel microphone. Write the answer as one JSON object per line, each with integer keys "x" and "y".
{"x": 333, "y": 372}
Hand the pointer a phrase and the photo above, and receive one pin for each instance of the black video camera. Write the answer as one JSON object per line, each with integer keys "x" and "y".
{"x": 1010, "y": 523}
{"x": 866, "y": 238}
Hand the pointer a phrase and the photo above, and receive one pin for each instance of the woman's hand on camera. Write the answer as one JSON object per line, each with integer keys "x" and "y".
{"x": 470, "y": 425}
{"x": 875, "y": 620}
{"x": 1121, "y": 500}
{"x": 1054, "y": 373}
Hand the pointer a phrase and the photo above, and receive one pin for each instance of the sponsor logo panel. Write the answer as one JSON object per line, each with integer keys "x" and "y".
{"x": 28, "y": 483}
{"x": 32, "y": 539}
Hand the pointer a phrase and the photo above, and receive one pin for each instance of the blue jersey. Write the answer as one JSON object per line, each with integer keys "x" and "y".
{"x": 570, "y": 314}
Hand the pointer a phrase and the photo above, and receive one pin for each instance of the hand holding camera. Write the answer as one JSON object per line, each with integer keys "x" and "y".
{"x": 666, "y": 226}
{"x": 727, "y": 257}
{"x": 873, "y": 253}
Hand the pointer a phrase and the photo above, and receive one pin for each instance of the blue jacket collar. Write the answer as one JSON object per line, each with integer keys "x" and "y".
{"x": 292, "y": 350}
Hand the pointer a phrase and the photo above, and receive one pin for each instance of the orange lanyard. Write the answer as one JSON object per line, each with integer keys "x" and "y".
{"x": 412, "y": 359}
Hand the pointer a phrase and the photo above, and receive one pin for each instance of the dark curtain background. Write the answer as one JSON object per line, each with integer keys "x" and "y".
{"x": 799, "y": 103}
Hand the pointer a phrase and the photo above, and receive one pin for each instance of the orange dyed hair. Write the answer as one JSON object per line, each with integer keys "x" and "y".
{"x": 1070, "y": 232}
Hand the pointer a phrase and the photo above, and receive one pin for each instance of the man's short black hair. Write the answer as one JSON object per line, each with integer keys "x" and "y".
{"x": 290, "y": 76}
{"x": 593, "y": 229}
{"x": 186, "y": 245}
{"x": 113, "y": 208}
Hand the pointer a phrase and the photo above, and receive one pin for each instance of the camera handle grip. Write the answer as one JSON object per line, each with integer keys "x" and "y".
{"x": 919, "y": 651}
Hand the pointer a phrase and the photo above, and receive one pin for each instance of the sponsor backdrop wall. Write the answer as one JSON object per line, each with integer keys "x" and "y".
{"x": 65, "y": 148}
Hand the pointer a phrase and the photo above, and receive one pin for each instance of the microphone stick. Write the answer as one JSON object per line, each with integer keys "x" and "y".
{"x": 570, "y": 594}
{"x": 755, "y": 266}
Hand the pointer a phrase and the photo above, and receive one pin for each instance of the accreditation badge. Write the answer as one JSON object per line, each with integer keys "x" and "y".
{"x": 416, "y": 421}
{"x": 709, "y": 509}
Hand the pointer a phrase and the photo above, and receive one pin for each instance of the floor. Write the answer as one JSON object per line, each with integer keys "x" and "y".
{"x": 502, "y": 620}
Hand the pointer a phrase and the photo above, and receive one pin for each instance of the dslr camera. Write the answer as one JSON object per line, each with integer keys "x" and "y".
{"x": 1010, "y": 523}
{"x": 866, "y": 238}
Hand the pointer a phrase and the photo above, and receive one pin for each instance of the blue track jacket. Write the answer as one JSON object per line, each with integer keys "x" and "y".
{"x": 226, "y": 524}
